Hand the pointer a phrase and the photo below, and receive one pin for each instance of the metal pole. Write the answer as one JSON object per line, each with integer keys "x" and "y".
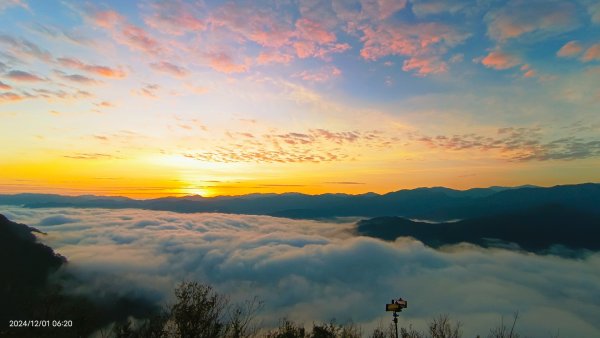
{"x": 396, "y": 322}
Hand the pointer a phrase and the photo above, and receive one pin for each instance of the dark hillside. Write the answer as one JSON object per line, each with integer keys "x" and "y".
{"x": 534, "y": 229}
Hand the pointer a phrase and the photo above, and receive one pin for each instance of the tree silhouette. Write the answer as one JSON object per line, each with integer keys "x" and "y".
{"x": 198, "y": 312}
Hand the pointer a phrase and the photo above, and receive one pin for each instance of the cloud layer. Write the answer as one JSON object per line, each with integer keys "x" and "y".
{"x": 314, "y": 271}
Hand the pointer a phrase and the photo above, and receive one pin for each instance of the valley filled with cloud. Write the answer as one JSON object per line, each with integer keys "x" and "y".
{"x": 312, "y": 271}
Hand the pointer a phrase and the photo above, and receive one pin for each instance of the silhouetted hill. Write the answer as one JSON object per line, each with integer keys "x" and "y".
{"x": 535, "y": 229}
{"x": 26, "y": 266}
{"x": 28, "y": 292}
{"x": 25, "y": 263}
{"x": 436, "y": 203}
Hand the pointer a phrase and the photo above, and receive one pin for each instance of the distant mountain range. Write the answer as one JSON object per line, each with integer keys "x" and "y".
{"x": 436, "y": 204}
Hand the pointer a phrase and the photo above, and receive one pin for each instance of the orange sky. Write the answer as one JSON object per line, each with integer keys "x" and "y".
{"x": 147, "y": 99}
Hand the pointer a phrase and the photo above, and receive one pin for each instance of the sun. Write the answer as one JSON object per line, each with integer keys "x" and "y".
{"x": 204, "y": 192}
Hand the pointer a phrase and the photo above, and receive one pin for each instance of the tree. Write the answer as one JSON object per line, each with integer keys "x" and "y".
{"x": 198, "y": 312}
{"x": 502, "y": 331}
{"x": 287, "y": 329}
{"x": 441, "y": 327}
{"x": 410, "y": 333}
{"x": 242, "y": 318}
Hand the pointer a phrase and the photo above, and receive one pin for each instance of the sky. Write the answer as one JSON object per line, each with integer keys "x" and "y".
{"x": 313, "y": 271}
{"x": 152, "y": 98}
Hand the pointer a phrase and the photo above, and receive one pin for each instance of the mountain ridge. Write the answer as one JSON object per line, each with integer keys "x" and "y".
{"x": 435, "y": 203}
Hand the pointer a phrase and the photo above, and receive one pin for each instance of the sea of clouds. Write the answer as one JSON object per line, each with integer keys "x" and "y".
{"x": 312, "y": 271}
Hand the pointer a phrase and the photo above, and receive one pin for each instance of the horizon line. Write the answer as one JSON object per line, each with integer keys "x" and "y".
{"x": 182, "y": 195}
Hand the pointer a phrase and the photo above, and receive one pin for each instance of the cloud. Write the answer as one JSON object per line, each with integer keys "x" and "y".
{"x": 105, "y": 104}
{"x": 5, "y": 86}
{"x": 321, "y": 75}
{"x": 423, "y": 44}
{"x": 94, "y": 69}
{"x": 169, "y": 68}
{"x": 134, "y": 37}
{"x": 592, "y": 53}
{"x": 540, "y": 17}
{"x": 149, "y": 90}
{"x": 500, "y": 60}
{"x": 57, "y": 220}
{"x": 11, "y": 97}
{"x": 261, "y": 25}
{"x": 425, "y": 66}
{"x": 314, "y": 40}
{"x": 282, "y": 37}
{"x": 6, "y": 4}
{"x": 228, "y": 155}
{"x": 138, "y": 39}
{"x": 593, "y": 8}
{"x": 423, "y": 8}
{"x": 62, "y": 34}
{"x": 570, "y": 49}
{"x": 316, "y": 271}
{"x": 345, "y": 183}
{"x": 91, "y": 156}
{"x": 314, "y": 145}
{"x": 101, "y": 137}
{"x": 106, "y": 19}
{"x": 273, "y": 56}
{"x": 77, "y": 78}
{"x": 224, "y": 63}
{"x": 175, "y": 17}
{"x": 24, "y": 49}
{"x": 58, "y": 94}
{"x": 519, "y": 144}
{"x": 21, "y": 76}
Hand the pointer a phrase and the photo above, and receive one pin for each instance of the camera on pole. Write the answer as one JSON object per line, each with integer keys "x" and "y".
{"x": 396, "y": 305}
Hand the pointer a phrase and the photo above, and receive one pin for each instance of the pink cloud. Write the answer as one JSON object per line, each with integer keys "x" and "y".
{"x": 169, "y": 68}
{"x": 313, "y": 31}
{"x": 134, "y": 37}
{"x": 530, "y": 73}
{"x": 19, "y": 75}
{"x": 94, "y": 69}
{"x": 592, "y": 53}
{"x": 570, "y": 49}
{"x": 425, "y": 66}
{"x": 423, "y": 44}
{"x": 320, "y": 75}
{"x": 313, "y": 40}
{"x": 107, "y": 19}
{"x": 10, "y": 97}
{"x": 500, "y": 60}
{"x": 408, "y": 40}
{"x": 273, "y": 57}
{"x": 306, "y": 37}
{"x": 222, "y": 62}
{"x": 259, "y": 25}
{"x": 519, "y": 17}
{"x": 4, "y": 86}
{"x": 175, "y": 17}
{"x": 137, "y": 38}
